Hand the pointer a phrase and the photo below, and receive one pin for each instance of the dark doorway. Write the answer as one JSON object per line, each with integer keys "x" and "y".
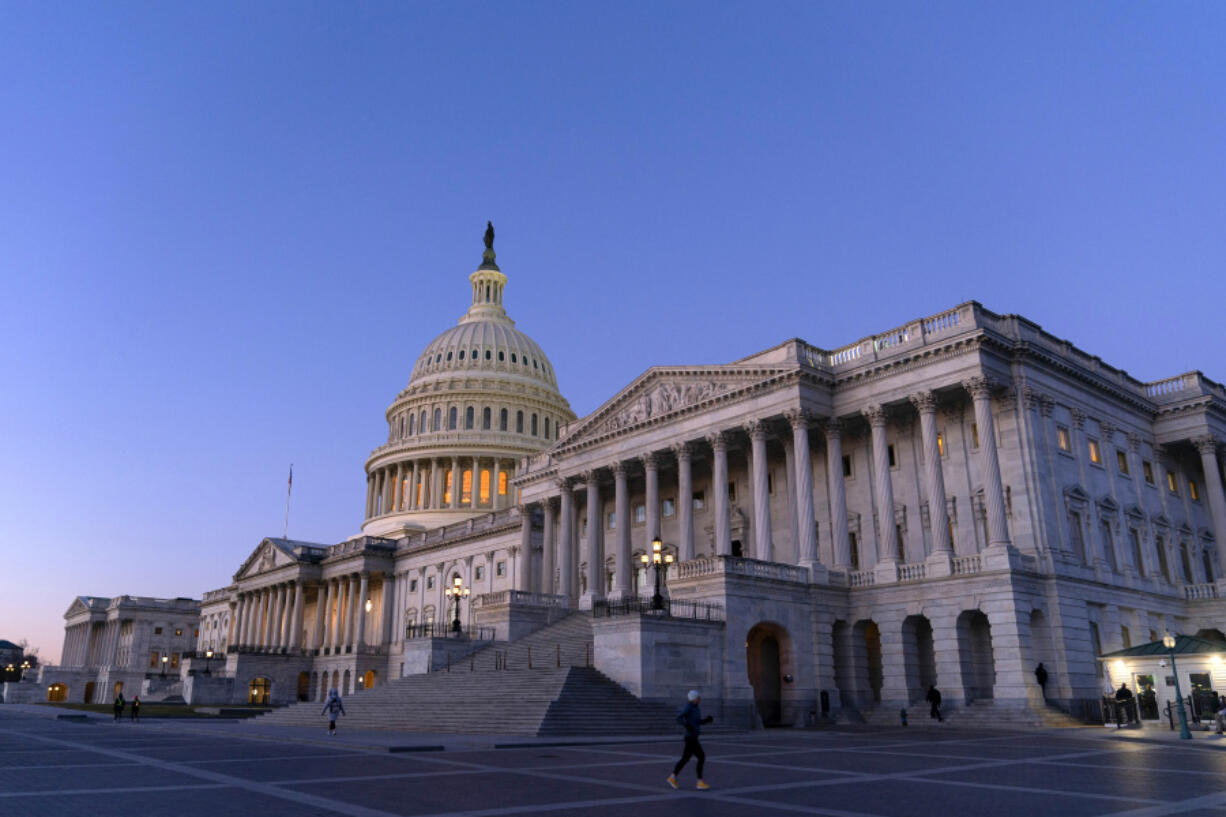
{"x": 764, "y": 657}
{"x": 304, "y": 686}
{"x": 736, "y": 548}
{"x": 919, "y": 656}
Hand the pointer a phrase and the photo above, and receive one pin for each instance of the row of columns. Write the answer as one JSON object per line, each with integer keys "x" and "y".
{"x": 1208, "y": 447}
{"x": 561, "y": 550}
{"x": 421, "y": 485}
{"x": 271, "y": 618}
{"x": 76, "y": 645}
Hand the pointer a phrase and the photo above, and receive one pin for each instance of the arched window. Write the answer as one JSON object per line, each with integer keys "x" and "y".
{"x": 461, "y": 354}
{"x": 468, "y": 417}
{"x": 546, "y": 428}
{"x": 519, "y": 422}
{"x": 502, "y": 420}
{"x": 484, "y": 496}
{"x": 449, "y": 356}
{"x": 486, "y": 418}
{"x": 513, "y": 357}
{"x": 534, "y": 433}
{"x": 438, "y": 420}
{"x": 502, "y": 483}
{"x": 475, "y": 355}
{"x": 451, "y": 419}
{"x": 487, "y": 354}
{"x": 466, "y": 487}
{"x": 421, "y": 423}
{"x": 501, "y": 356}
{"x": 402, "y": 426}
{"x": 412, "y": 422}
{"x": 534, "y": 363}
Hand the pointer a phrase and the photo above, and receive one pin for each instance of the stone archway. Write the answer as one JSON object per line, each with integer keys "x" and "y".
{"x": 57, "y": 693}
{"x": 919, "y": 656}
{"x": 768, "y": 653}
{"x": 345, "y": 689}
{"x": 304, "y": 686}
{"x": 368, "y": 680}
{"x": 866, "y": 662}
{"x": 89, "y": 692}
{"x": 975, "y": 655}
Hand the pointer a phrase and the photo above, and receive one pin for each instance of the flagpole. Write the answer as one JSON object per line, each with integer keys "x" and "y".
{"x": 289, "y": 489}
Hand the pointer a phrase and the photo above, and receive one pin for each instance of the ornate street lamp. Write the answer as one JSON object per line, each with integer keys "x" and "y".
{"x": 456, "y": 591}
{"x": 25, "y": 665}
{"x": 165, "y": 659}
{"x": 657, "y": 558}
{"x": 208, "y": 656}
{"x": 1168, "y": 641}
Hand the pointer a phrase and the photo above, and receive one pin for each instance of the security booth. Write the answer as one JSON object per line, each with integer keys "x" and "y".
{"x": 1158, "y": 673}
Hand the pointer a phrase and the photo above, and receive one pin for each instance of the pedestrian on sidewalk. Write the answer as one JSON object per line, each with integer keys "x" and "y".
{"x": 118, "y": 706}
{"x": 691, "y": 718}
{"x": 332, "y": 708}
{"x": 136, "y": 708}
{"x": 934, "y": 699}
{"x": 1123, "y": 697}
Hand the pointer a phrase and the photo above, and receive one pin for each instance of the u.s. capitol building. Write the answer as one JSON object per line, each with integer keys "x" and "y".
{"x": 949, "y": 502}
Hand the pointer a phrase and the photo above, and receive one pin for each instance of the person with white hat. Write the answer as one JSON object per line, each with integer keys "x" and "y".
{"x": 691, "y": 718}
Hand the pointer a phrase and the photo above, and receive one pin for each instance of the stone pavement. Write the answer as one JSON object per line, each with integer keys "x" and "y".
{"x": 102, "y": 769}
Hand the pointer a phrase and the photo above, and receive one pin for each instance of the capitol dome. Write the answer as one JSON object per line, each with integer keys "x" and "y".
{"x": 481, "y": 396}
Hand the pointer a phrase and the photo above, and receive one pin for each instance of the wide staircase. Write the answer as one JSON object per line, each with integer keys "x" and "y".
{"x": 537, "y": 685}
{"x": 984, "y": 713}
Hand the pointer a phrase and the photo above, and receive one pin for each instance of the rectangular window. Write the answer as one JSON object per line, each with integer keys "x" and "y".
{"x": 847, "y": 466}
{"x": 480, "y": 572}
{"x": 1193, "y": 490}
{"x": 1147, "y": 468}
{"x": 668, "y": 507}
{"x": 429, "y": 582}
{"x": 502, "y": 483}
{"x": 941, "y": 442}
{"x": 974, "y": 435}
{"x": 1160, "y": 546}
{"x": 890, "y": 453}
{"x": 1136, "y": 550}
{"x": 1171, "y": 482}
{"x": 612, "y": 520}
{"x": 1109, "y": 545}
{"x": 412, "y": 585}
{"x": 700, "y": 500}
{"x": 485, "y": 485}
{"x": 154, "y": 658}
{"x": 1075, "y": 536}
{"x": 1063, "y": 440}
{"x": 1126, "y": 637}
{"x": 178, "y": 632}
{"x": 1121, "y": 460}
{"x": 852, "y": 540}
{"x": 1097, "y": 645}
{"x": 732, "y": 492}
{"x": 640, "y": 514}
{"x": 500, "y": 569}
{"x": 1096, "y": 456}
{"x": 466, "y": 487}
{"x": 157, "y": 630}
{"x": 174, "y": 660}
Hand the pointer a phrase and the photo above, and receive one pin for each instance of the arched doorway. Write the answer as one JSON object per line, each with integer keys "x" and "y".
{"x": 919, "y": 656}
{"x": 368, "y": 680}
{"x": 975, "y": 655}
{"x": 259, "y": 691}
{"x": 866, "y": 662}
{"x": 1042, "y": 651}
{"x": 345, "y": 683}
{"x": 765, "y": 651}
{"x": 336, "y": 680}
{"x": 89, "y": 692}
{"x": 304, "y": 686}
{"x": 57, "y": 693}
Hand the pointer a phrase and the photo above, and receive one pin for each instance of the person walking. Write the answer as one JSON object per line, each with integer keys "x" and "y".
{"x": 1040, "y": 675}
{"x": 691, "y": 718}
{"x": 118, "y": 706}
{"x": 934, "y": 699}
{"x": 136, "y": 708}
{"x": 1123, "y": 700}
{"x": 332, "y": 708}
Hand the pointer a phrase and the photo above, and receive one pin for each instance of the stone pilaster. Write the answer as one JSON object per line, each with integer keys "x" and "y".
{"x": 566, "y": 543}
{"x": 549, "y": 546}
{"x": 1207, "y": 446}
{"x": 934, "y": 478}
{"x": 295, "y": 633}
{"x": 361, "y": 615}
{"x": 993, "y": 491}
{"x": 523, "y": 564}
{"x": 883, "y": 489}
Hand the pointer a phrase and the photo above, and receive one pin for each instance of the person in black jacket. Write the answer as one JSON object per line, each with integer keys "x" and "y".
{"x": 934, "y": 698}
{"x": 691, "y": 718}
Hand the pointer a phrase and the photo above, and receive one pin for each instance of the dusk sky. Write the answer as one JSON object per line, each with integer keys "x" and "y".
{"x": 228, "y": 230}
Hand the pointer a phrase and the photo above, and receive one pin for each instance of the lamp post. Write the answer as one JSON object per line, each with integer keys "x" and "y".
{"x": 456, "y": 591}
{"x": 165, "y": 660}
{"x": 208, "y": 656}
{"x": 657, "y": 558}
{"x": 25, "y": 665}
{"x": 1168, "y": 641}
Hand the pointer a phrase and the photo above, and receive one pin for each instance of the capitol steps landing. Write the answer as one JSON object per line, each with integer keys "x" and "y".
{"x": 980, "y": 714}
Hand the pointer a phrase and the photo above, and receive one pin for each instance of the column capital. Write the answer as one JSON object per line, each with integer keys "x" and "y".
{"x": 551, "y": 503}
{"x": 525, "y": 508}
{"x": 619, "y": 469}
{"x": 876, "y": 415}
{"x": 589, "y": 477}
{"x": 1207, "y": 444}
{"x": 1107, "y": 430}
{"x": 756, "y": 429}
{"x": 979, "y": 386}
{"x": 833, "y": 428}
{"x": 682, "y": 450}
{"x": 364, "y": 574}
{"x": 1134, "y": 441}
{"x": 798, "y": 418}
{"x": 925, "y": 402}
{"x": 563, "y": 484}
{"x": 650, "y": 460}
{"x": 1047, "y": 405}
{"x": 1079, "y": 418}
{"x": 718, "y": 440}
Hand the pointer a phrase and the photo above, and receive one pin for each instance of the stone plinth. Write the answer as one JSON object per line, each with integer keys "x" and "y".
{"x": 514, "y": 613}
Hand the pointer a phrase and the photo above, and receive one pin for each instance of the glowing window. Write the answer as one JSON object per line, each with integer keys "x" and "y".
{"x": 466, "y": 487}
{"x": 1193, "y": 490}
{"x": 502, "y": 483}
{"x": 1096, "y": 456}
{"x": 447, "y": 487}
{"x": 485, "y": 486}
{"x": 941, "y": 443}
{"x": 1062, "y": 439}
{"x": 1171, "y": 482}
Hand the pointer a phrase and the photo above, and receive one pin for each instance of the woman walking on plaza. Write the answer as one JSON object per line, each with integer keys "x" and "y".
{"x": 691, "y": 718}
{"x": 332, "y": 708}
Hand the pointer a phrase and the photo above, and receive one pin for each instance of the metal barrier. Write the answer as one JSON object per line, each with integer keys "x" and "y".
{"x": 442, "y": 629}
{"x": 673, "y": 608}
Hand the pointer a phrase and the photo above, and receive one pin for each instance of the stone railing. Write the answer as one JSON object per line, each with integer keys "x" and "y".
{"x": 912, "y": 573}
{"x": 521, "y": 597}
{"x": 861, "y": 578}
{"x": 487, "y": 521}
{"x": 740, "y": 566}
{"x": 966, "y": 565}
{"x": 1199, "y": 592}
{"x": 214, "y": 595}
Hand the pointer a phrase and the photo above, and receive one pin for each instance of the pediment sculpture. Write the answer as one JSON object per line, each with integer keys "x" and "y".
{"x": 661, "y": 399}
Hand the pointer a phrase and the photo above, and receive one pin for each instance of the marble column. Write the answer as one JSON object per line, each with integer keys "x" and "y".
{"x": 317, "y": 636}
{"x": 523, "y": 563}
{"x": 993, "y": 491}
{"x": 455, "y": 482}
{"x": 236, "y": 621}
{"x": 719, "y": 489}
{"x": 278, "y": 624}
{"x": 938, "y": 515}
{"x": 806, "y": 522}
{"x": 685, "y": 502}
{"x": 295, "y": 632}
{"x": 1213, "y": 487}
{"x": 370, "y": 495}
{"x": 621, "y": 512}
{"x": 329, "y": 594}
{"x": 389, "y": 490}
{"x": 566, "y": 540}
{"x": 550, "y": 544}
{"x": 338, "y": 635}
{"x": 414, "y": 501}
{"x": 763, "y": 544}
{"x": 841, "y": 539}
{"x": 883, "y": 489}
{"x": 352, "y": 605}
{"x": 595, "y": 560}
{"x": 387, "y": 595}
{"x": 361, "y": 616}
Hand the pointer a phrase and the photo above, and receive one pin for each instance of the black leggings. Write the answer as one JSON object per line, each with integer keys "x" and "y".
{"x": 692, "y": 749}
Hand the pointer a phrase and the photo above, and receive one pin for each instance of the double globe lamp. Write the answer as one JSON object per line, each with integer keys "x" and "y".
{"x": 656, "y": 559}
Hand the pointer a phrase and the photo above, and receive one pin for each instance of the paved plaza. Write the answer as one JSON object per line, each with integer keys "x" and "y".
{"x": 97, "y": 768}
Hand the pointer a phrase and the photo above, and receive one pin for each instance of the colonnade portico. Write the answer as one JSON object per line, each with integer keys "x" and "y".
{"x": 436, "y": 483}
{"x": 792, "y": 429}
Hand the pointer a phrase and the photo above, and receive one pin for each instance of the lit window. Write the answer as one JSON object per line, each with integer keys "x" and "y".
{"x": 668, "y": 507}
{"x": 447, "y": 486}
{"x": 485, "y": 486}
{"x": 1096, "y": 456}
{"x": 1193, "y": 490}
{"x": 174, "y": 660}
{"x": 502, "y": 483}
{"x": 640, "y": 514}
{"x": 1063, "y": 440}
{"x": 178, "y": 632}
{"x": 466, "y": 487}
{"x": 1147, "y": 468}
{"x": 1171, "y": 482}
{"x": 1121, "y": 459}
{"x": 154, "y": 658}
{"x": 941, "y": 443}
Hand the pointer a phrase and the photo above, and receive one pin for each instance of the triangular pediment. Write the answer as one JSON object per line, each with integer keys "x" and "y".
{"x": 79, "y": 605}
{"x": 268, "y": 555}
{"x": 665, "y": 392}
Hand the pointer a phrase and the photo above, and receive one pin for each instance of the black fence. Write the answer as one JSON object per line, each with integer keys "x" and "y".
{"x": 443, "y": 629}
{"x": 673, "y": 608}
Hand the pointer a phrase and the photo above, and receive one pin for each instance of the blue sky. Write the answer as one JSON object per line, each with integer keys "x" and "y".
{"x": 227, "y": 230}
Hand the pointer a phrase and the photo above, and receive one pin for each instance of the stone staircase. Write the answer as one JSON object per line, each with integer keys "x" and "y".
{"x": 495, "y": 692}
{"x": 980, "y": 714}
